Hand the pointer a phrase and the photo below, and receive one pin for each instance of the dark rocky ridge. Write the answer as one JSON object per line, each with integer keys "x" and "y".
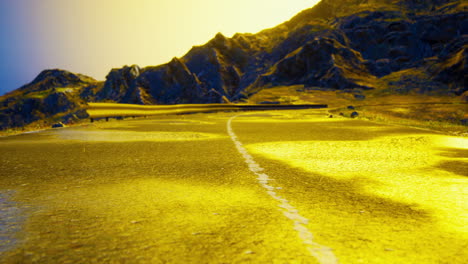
{"x": 337, "y": 44}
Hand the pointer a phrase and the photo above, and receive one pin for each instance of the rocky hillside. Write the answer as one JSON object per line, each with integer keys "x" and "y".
{"x": 339, "y": 44}
{"x": 399, "y": 46}
{"x": 55, "y": 94}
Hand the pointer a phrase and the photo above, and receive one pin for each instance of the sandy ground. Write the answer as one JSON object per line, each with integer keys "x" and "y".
{"x": 175, "y": 189}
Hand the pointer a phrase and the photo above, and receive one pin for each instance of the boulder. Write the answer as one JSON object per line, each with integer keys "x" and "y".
{"x": 57, "y": 125}
{"x": 354, "y": 114}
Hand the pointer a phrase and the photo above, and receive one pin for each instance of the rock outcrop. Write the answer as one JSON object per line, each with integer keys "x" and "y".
{"x": 172, "y": 83}
{"x": 322, "y": 62}
{"x": 120, "y": 85}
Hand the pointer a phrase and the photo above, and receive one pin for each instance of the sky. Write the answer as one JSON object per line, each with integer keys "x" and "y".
{"x": 93, "y": 36}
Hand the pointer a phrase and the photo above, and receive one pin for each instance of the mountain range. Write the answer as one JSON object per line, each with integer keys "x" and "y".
{"x": 403, "y": 46}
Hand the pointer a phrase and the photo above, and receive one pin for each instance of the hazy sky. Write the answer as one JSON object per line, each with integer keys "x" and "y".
{"x": 93, "y": 36}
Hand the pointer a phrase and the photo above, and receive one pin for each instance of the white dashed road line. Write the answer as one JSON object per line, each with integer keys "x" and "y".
{"x": 323, "y": 254}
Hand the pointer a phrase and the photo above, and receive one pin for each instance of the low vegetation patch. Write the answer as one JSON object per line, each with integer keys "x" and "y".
{"x": 443, "y": 113}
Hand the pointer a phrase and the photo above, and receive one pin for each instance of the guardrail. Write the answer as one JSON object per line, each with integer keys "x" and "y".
{"x": 112, "y": 110}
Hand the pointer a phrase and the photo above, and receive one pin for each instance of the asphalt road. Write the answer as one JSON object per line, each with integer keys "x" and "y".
{"x": 252, "y": 187}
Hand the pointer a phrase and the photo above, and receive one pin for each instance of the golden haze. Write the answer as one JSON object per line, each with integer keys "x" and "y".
{"x": 91, "y": 37}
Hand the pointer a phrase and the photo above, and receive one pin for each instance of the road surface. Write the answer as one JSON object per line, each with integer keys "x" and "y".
{"x": 251, "y": 187}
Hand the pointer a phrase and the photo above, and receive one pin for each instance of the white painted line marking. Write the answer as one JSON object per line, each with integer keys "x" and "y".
{"x": 323, "y": 254}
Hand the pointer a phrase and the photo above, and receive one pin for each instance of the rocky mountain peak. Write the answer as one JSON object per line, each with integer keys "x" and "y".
{"x": 57, "y": 78}
{"x": 134, "y": 70}
{"x": 54, "y": 73}
{"x": 175, "y": 62}
{"x": 219, "y": 41}
{"x": 119, "y": 82}
{"x": 177, "y": 65}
